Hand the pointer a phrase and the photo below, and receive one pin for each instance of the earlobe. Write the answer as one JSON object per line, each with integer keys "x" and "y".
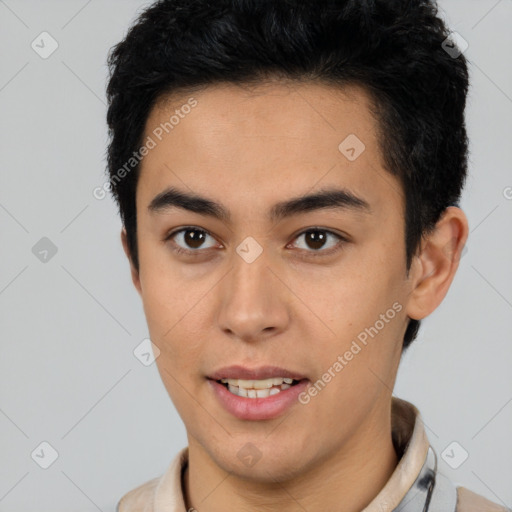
{"x": 133, "y": 270}
{"x": 436, "y": 263}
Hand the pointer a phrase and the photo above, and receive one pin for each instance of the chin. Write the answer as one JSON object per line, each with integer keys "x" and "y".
{"x": 265, "y": 461}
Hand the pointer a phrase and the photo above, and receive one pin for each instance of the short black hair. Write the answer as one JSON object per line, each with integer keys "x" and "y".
{"x": 392, "y": 48}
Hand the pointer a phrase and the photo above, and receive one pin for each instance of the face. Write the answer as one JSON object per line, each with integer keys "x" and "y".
{"x": 265, "y": 277}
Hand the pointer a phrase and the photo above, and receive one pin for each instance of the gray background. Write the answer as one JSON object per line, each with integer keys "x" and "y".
{"x": 69, "y": 325}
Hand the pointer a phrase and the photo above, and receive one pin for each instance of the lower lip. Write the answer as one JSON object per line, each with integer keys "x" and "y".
{"x": 258, "y": 408}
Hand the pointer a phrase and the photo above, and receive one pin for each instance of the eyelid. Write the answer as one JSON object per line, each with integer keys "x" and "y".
{"x": 320, "y": 228}
{"x": 185, "y": 228}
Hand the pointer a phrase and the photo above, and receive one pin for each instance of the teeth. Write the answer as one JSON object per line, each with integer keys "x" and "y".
{"x": 257, "y": 384}
{"x": 257, "y": 388}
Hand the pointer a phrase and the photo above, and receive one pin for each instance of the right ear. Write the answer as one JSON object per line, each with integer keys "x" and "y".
{"x": 134, "y": 272}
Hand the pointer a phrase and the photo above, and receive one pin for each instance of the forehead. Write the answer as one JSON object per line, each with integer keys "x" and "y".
{"x": 239, "y": 142}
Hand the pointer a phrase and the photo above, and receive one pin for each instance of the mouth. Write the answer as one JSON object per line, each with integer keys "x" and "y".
{"x": 257, "y": 393}
{"x": 257, "y": 399}
{"x": 258, "y": 388}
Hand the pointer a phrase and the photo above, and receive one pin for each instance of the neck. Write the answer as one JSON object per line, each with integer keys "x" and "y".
{"x": 352, "y": 475}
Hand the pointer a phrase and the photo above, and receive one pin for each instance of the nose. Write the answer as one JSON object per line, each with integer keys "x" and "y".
{"x": 253, "y": 300}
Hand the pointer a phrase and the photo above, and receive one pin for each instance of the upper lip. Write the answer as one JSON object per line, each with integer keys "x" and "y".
{"x": 259, "y": 373}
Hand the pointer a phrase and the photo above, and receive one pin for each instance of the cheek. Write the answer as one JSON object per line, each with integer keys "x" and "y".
{"x": 362, "y": 305}
{"x": 170, "y": 309}
{"x": 164, "y": 295}
{"x": 175, "y": 299}
{"x": 351, "y": 298}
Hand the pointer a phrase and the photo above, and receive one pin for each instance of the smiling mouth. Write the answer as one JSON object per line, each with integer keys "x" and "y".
{"x": 258, "y": 388}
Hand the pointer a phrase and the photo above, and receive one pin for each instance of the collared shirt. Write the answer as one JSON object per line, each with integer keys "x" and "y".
{"x": 416, "y": 484}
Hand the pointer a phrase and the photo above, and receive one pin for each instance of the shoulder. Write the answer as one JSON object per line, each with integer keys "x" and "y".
{"x": 164, "y": 488}
{"x": 139, "y": 499}
{"x": 469, "y": 501}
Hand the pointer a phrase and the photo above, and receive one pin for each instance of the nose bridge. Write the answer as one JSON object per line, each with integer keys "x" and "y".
{"x": 251, "y": 301}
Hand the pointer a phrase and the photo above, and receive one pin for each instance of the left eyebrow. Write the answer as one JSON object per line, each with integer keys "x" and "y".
{"x": 327, "y": 198}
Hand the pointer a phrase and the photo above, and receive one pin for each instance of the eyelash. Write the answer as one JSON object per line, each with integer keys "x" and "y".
{"x": 311, "y": 254}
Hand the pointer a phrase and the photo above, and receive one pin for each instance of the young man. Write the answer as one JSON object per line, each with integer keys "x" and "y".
{"x": 288, "y": 176}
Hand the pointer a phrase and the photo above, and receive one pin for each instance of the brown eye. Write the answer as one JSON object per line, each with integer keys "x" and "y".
{"x": 190, "y": 239}
{"x": 193, "y": 238}
{"x": 315, "y": 239}
{"x": 321, "y": 241}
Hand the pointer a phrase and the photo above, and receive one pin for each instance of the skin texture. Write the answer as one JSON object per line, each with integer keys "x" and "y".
{"x": 291, "y": 307}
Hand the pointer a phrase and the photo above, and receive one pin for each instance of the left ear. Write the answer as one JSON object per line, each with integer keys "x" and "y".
{"x": 434, "y": 268}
